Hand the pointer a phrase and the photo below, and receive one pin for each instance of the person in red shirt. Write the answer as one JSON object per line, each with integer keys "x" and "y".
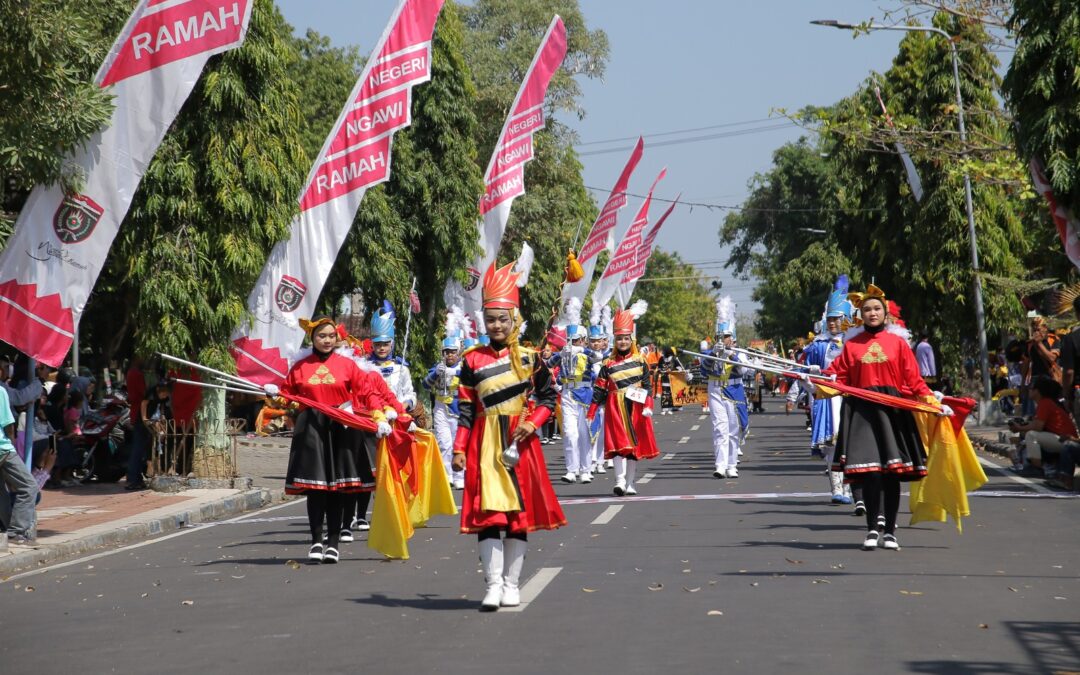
{"x": 325, "y": 462}
{"x": 879, "y": 446}
{"x": 135, "y": 383}
{"x": 1047, "y": 432}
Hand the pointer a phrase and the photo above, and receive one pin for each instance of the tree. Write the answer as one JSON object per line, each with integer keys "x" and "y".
{"x": 1042, "y": 89}
{"x": 219, "y": 193}
{"x": 500, "y": 40}
{"x": 422, "y": 222}
{"x": 49, "y": 105}
{"x": 681, "y": 311}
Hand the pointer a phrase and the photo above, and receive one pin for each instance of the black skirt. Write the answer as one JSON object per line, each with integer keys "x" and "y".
{"x": 326, "y": 455}
{"x": 875, "y": 438}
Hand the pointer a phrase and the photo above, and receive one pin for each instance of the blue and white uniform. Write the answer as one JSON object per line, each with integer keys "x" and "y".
{"x": 442, "y": 381}
{"x": 576, "y": 377}
{"x": 725, "y": 383}
{"x": 596, "y": 429}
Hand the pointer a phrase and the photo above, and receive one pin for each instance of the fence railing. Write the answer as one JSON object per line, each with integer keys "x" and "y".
{"x": 204, "y": 449}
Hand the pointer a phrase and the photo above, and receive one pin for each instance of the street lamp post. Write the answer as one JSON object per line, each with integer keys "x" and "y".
{"x": 980, "y": 316}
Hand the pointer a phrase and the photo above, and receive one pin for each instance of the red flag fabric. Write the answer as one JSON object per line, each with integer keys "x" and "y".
{"x": 414, "y": 302}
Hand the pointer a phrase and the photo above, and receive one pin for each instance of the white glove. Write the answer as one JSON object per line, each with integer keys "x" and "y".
{"x": 647, "y": 412}
{"x": 412, "y": 427}
{"x": 689, "y": 377}
{"x": 391, "y": 415}
{"x": 271, "y": 389}
{"x": 946, "y": 411}
{"x": 440, "y": 369}
{"x": 814, "y": 370}
{"x": 383, "y": 430}
{"x": 938, "y": 395}
{"x": 808, "y": 385}
{"x": 704, "y": 345}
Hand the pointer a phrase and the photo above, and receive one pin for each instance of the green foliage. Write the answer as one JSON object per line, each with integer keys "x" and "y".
{"x": 681, "y": 310}
{"x": 219, "y": 193}
{"x": 49, "y": 105}
{"x": 1042, "y": 88}
{"x": 421, "y": 222}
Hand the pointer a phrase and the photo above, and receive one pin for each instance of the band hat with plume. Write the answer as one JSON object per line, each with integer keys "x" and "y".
{"x": 725, "y": 316}
{"x": 625, "y": 320}
{"x": 839, "y": 306}
{"x": 382, "y": 323}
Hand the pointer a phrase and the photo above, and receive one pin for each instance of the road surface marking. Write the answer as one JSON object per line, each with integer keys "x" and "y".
{"x": 605, "y": 517}
{"x": 670, "y": 455}
{"x": 695, "y": 427}
{"x": 684, "y": 439}
{"x": 1026, "y": 482}
{"x": 701, "y": 417}
{"x": 646, "y": 478}
{"x": 1004, "y": 494}
{"x": 532, "y": 588}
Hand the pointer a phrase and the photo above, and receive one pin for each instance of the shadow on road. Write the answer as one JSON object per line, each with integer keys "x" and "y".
{"x": 429, "y": 602}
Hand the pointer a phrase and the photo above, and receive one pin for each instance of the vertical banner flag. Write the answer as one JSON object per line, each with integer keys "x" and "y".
{"x": 626, "y": 255}
{"x": 354, "y": 157}
{"x": 602, "y": 235}
{"x": 914, "y": 182}
{"x": 61, "y": 239}
{"x": 1068, "y": 226}
{"x": 504, "y": 179}
{"x": 637, "y": 270}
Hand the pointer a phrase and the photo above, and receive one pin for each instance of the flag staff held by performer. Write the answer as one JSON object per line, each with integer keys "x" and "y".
{"x": 507, "y": 489}
{"x": 622, "y": 388}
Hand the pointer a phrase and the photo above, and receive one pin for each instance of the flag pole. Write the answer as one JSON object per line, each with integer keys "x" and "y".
{"x": 408, "y": 324}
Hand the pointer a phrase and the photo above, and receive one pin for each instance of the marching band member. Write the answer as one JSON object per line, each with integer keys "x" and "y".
{"x": 879, "y": 446}
{"x": 598, "y": 345}
{"x": 325, "y": 459}
{"x": 507, "y": 489}
{"x": 442, "y": 381}
{"x": 622, "y": 388}
{"x": 576, "y": 384}
{"x": 725, "y": 393}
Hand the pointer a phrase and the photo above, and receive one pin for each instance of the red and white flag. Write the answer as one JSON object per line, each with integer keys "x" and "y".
{"x": 504, "y": 179}
{"x": 61, "y": 240}
{"x": 1068, "y": 226}
{"x": 637, "y": 270}
{"x": 626, "y": 255}
{"x": 355, "y": 157}
{"x": 602, "y": 234}
{"x": 414, "y": 302}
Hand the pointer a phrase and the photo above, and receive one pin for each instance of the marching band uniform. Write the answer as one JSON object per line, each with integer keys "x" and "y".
{"x": 505, "y": 492}
{"x": 392, "y": 368}
{"x": 576, "y": 383}
{"x": 325, "y": 459}
{"x": 596, "y": 426}
{"x": 443, "y": 381}
{"x": 879, "y": 446}
{"x": 628, "y": 428}
{"x": 725, "y": 394}
{"x": 825, "y": 412}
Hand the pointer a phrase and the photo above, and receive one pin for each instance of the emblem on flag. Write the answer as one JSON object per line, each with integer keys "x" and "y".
{"x": 474, "y": 279}
{"x": 76, "y": 218}
{"x": 289, "y": 293}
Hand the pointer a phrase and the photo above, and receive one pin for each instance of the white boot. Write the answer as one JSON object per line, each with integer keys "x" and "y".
{"x": 491, "y": 557}
{"x": 620, "y": 476}
{"x": 631, "y": 473}
{"x": 836, "y": 482}
{"x": 514, "y": 555}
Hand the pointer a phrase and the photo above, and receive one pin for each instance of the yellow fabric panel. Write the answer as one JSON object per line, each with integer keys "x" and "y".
{"x": 433, "y": 495}
{"x": 497, "y": 492}
{"x": 952, "y": 468}
{"x": 390, "y": 524}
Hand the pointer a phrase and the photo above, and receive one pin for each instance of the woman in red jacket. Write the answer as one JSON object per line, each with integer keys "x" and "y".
{"x": 507, "y": 489}
{"x": 878, "y": 446}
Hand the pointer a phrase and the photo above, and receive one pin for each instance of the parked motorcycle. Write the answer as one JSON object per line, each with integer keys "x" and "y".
{"x": 105, "y": 444}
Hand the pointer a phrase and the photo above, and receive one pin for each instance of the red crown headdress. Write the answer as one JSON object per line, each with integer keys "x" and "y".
{"x": 501, "y": 287}
{"x": 623, "y": 323}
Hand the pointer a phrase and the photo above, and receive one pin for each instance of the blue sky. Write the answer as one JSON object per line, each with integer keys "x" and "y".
{"x": 685, "y": 64}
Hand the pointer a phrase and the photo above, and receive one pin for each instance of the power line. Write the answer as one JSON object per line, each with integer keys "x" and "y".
{"x": 728, "y": 207}
{"x": 692, "y": 139}
{"x": 676, "y": 132}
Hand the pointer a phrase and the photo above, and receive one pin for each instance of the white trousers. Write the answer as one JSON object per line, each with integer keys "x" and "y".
{"x": 1038, "y": 441}
{"x": 725, "y": 428}
{"x": 445, "y": 427}
{"x": 598, "y": 444}
{"x": 577, "y": 447}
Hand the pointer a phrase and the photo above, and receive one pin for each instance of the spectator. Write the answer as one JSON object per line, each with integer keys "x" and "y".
{"x": 924, "y": 356}
{"x": 1050, "y": 428}
{"x": 135, "y": 383}
{"x": 66, "y": 459}
{"x": 17, "y": 512}
{"x": 1070, "y": 454}
{"x": 17, "y": 396}
{"x": 1070, "y": 358}
{"x": 156, "y": 414}
{"x": 1040, "y": 358}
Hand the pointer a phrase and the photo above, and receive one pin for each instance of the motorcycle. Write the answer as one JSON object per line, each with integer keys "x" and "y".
{"x": 105, "y": 444}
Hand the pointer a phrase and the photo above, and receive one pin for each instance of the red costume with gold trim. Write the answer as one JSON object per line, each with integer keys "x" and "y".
{"x": 627, "y": 433}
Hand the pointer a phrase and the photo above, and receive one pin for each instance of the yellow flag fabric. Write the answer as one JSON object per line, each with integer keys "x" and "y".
{"x": 391, "y": 527}
{"x": 497, "y": 491}
{"x": 433, "y": 496}
{"x": 953, "y": 470}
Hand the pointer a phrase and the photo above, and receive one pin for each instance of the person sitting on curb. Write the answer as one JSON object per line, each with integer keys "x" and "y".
{"x": 1050, "y": 428}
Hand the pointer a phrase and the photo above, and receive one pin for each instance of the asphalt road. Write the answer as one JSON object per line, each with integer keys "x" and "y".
{"x": 759, "y": 575}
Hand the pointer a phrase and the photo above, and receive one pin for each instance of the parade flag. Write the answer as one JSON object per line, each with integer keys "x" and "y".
{"x": 1068, "y": 226}
{"x": 626, "y": 255}
{"x": 61, "y": 239}
{"x": 504, "y": 179}
{"x": 914, "y": 182}
{"x": 602, "y": 234}
{"x": 635, "y": 272}
{"x": 354, "y": 157}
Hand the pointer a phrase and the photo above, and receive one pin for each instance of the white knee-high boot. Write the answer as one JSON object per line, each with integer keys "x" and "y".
{"x": 491, "y": 557}
{"x": 631, "y": 473}
{"x": 620, "y": 476}
{"x": 514, "y": 556}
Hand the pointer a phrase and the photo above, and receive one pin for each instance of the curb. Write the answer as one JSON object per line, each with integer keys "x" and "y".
{"x": 222, "y": 508}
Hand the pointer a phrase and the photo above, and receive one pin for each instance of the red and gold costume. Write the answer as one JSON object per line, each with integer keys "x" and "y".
{"x": 627, "y": 433}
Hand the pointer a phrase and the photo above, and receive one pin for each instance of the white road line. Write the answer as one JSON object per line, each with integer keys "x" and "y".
{"x": 646, "y": 478}
{"x": 670, "y": 455}
{"x": 1026, "y": 482}
{"x": 701, "y": 417}
{"x": 695, "y": 427}
{"x": 533, "y": 587}
{"x": 605, "y": 517}
{"x": 684, "y": 439}
{"x": 1002, "y": 494}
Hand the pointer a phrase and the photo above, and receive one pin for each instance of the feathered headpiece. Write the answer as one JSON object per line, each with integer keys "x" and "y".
{"x": 725, "y": 316}
{"x": 382, "y": 323}
{"x": 572, "y": 312}
{"x": 839, "y": 306}
{"x": 501, "y": 284}
{"x": 625, "y": 319}
{"x": 457, "y": 328}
